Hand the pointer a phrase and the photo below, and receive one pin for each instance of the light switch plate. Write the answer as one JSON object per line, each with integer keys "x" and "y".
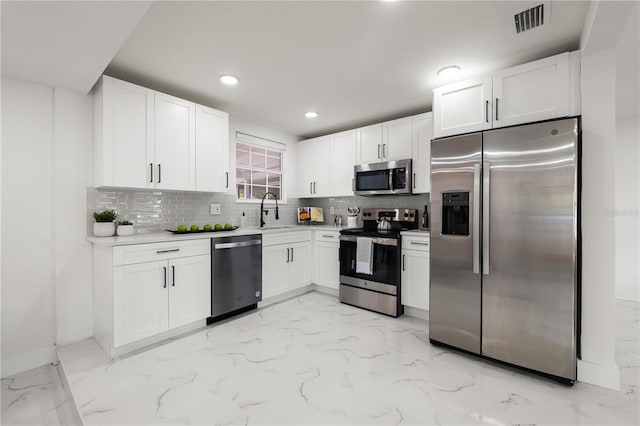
{"x": 214, "y": 209}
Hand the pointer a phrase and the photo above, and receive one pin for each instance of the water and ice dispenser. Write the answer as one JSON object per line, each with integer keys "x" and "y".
{"x": 455, "y": 213}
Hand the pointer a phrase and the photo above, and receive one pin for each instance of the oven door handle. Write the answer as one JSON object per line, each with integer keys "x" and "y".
{"x": 376, "y": 240}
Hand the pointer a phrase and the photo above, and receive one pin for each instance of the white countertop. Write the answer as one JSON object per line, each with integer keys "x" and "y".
{"x": 164, "y": 236}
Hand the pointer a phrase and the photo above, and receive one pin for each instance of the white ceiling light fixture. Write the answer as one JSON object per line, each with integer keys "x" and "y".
{"x": 229, "y": 79}
{"x": 311, "y": 114}
{"x": 449, "y": 71}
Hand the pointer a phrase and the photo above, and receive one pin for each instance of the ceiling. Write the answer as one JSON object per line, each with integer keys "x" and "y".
{"x": 354, "y": 62}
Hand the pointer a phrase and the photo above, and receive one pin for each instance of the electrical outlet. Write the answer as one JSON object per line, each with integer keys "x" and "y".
{"x": 215, "y": 209}
{"x": 332, "y": 210}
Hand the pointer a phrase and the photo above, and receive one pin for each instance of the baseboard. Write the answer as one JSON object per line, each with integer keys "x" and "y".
{"x": 325, "y": 290}
{"x": 603, "y": 375}
{"x": 285, "y": 296}
{"x": 25, "y": 361}
{"x": 416, "y": 313}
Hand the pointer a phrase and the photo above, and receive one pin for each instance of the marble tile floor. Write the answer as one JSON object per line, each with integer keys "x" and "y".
{"x": 311, "y": 360}
{"x": 35, "y": 397}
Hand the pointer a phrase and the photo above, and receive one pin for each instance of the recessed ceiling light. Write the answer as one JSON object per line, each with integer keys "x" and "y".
{"x": 229, "y": 79}
{"x": 449, "y": 71}
{"x": 311, "y": 114}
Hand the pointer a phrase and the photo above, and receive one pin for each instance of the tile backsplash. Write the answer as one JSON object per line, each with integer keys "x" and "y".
{"x": 154, "y": 211}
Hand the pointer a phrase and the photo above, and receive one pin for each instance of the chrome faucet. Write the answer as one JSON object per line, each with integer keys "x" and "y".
{"x": 266, "y": 211}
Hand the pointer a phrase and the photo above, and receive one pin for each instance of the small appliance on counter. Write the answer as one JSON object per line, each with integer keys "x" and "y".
{"x": 352, "y": 217}
{"x": 310, "y": 215}
{"x": 370, "y": 260}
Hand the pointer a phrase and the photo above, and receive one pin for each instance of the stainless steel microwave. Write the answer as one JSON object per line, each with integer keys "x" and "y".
{"x": 389, "y": 177}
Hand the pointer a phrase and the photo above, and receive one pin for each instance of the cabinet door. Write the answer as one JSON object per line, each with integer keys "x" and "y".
{"x": 415, "y": 279}
{"x": 306, "y": 168}
{"x": 534, "y": 91}
{"x": 212, "y": 150}
{"x": 343, "y": 158}
{"x": 140, "y": 301}
{"x": 275, "y": 270}
{"x": 299, "y": 265}
{"x": 369, "y": 144}
{"x": 327, "y": 265}
{"x": 322, "y": 181}
{"x": 396, "y": 139}
{"x": 124, "y": 135}
{"x": 421, "y": 164}
{"x": 462, "y": 107}
{"x": 189, "y": 290}
{"x": 174, "y": 143}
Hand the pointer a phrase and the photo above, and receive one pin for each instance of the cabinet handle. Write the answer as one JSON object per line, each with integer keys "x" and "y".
{"x": 287, "y": 255}
{"x": 403, "y": 262}
{"x": 486, "y": 111}
{"x": 414, "y": 181}
{"x": 227, "y": 173}
{"x": 310, "y": 187}
{"x": 496, "y": 109}
{"x": 384, "y": 150}
{"x": 167, "y": 251}
{"x": 173, "y": 276}
{"x": 415, "y": 243}
{"x": 292, "y": 254}
{"x": 151, "y": 172}
{"x": 314, "y": 187}
{"x": 159, "y": 173}
{"x": 165, "y": 277}
{"x": 328, "y": 236}
{"x": 378, "y": 150}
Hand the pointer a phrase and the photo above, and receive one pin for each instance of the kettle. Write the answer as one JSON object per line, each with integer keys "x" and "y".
{"x": 384, "y": 225}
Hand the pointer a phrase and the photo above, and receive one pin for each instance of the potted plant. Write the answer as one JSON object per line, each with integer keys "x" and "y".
{"x": 105, "y": 225}
{"x": 125, "y": 228}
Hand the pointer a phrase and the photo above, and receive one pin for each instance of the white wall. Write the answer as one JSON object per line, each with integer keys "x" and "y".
{"x": 47, "y": 163}
{"x": 627, "y": 156}
{"x": 72, "y": 174}
{"x": 601, "y": 68}
{"x": 28, "y": 293}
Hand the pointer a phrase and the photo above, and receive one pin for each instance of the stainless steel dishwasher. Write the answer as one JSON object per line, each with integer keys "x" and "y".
{"x": 236, "y": 275}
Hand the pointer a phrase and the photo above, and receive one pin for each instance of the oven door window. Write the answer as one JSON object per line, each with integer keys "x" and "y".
{"x": 385, "y": 263}
{"x": 373, "y": 180}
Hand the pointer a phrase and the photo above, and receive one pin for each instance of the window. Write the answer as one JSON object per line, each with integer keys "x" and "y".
{"x": 258, "y": 167}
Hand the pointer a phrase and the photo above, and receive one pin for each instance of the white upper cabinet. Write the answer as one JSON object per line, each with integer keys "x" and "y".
{"x": 462, "y": 107}
{"x": 123, "y": 134}
{"x": 396, "y": 139}
{"x": 532, "y": 92}
{"x": 369, "y": 144}
{"x": 148, "y": 139}
{"x": 422, "y": 134}
{"x": 314, "y": 159}
{"x": 343, "y": 158}
{"x": 386, "y": 141}
{"x": 212, "y": 150}
{"x": 539, "y": 90}
{"x": 175, "y": 143}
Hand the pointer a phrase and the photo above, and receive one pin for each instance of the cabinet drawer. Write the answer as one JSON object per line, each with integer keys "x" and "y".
{"x": 328, "y": 236}
{"x": 138, "y": 253}
{"x": 286, "y": 237}
{"x": 411, "y": 242}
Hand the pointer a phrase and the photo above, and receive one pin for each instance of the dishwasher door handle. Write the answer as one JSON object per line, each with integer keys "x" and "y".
{"x": 220, "y": 246}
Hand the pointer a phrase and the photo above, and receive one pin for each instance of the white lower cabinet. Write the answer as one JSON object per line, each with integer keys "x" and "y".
{"x": 326, "y": 268}
{"x": 286, "y": 262}
{"x": 415, "y": 272}
{"x": 145, "y": 290}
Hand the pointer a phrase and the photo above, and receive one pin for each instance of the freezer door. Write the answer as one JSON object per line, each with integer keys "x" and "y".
{"x": 455, "y": 286}
{"x": 529, "y": 259}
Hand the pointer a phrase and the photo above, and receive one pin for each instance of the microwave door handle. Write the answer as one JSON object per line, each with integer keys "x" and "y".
{"x": 476, "y": 219}
{"x": 390, "y": 171}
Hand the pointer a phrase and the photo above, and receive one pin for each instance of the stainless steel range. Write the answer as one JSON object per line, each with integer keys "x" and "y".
{"x": 370, "y": 260}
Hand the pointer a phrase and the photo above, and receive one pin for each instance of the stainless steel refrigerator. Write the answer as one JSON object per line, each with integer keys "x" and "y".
{"x": 504, "y": 245}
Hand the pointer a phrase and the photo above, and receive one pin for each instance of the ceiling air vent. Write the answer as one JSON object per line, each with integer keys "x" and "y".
{"x": 529, "y": 19}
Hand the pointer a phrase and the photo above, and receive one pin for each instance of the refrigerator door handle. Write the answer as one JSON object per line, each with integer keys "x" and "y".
{"x": 476, "y": 218}
{"x": 486, "y": 193}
